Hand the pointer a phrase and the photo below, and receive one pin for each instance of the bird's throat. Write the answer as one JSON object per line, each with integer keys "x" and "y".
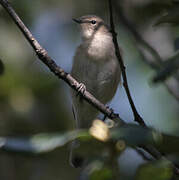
{"x": 99, "y": 47}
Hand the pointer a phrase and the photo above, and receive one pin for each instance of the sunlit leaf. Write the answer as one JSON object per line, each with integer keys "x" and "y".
{"x": 99, "y": 130}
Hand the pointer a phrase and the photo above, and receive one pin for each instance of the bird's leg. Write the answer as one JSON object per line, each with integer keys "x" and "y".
{"x": 105, "y": 116}
{"x": 110, "y": 122}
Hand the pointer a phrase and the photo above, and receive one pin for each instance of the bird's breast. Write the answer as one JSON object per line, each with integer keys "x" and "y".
{"x": 101, "y": 79}
{"x": 100, "y": 47}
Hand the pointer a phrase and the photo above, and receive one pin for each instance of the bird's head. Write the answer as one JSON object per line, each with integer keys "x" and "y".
{"x": 90, "y": 25}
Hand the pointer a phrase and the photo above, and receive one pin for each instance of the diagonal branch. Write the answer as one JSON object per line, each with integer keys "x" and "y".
{"x": 167, "y": 69}
{"x": 58, "y": 71}
{"x": 137, "y": 117}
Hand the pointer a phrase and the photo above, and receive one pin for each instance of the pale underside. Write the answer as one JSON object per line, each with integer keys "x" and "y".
{"x": 98, "y": 69}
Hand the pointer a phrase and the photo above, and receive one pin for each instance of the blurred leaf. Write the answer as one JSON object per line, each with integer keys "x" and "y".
{"x": 159, "y": 170}
{"x": 97, "y": 170}
{"x": 102, "y": 174}
{"x": 99, "y": 130}
{"x": 130, "y": 135}
{"x": 40, "y": 143}
{"x": 1, "y": 67}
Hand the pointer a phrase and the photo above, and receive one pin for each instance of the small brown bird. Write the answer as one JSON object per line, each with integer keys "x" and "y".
{"x": 95, "y": 65}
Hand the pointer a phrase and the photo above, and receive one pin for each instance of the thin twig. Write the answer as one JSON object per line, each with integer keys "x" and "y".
{"x": 168, "y": 68}
{"x": 137, "y": 117}
{"x": 172, "y": 85}
{"x": 150, "y": 149}
{"x": 58, "y": 71}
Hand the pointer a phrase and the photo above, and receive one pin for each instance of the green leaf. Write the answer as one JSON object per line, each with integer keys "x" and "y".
{"x": 97, "y": 170}
{"x": 102, "y": 174}
{"x": 159, "y": 170}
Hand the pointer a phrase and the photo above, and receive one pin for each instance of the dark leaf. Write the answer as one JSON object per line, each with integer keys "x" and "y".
{"x": 1, "y": 67}
{"x": 171, "y": 16}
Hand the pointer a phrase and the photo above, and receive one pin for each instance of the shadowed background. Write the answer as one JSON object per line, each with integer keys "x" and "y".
{"x": 33, "y": 100}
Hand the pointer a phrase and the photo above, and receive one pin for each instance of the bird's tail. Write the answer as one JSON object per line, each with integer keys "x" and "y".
{"x": 84, "y": 115}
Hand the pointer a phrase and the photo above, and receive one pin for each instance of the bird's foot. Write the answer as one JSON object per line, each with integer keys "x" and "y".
{"x": 109, "y": 122}
{"x": 112, "y": 111}
{"x": 81, "y": 89}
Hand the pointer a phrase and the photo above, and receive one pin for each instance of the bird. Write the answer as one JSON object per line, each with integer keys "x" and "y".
{"x": 95, "y": 66}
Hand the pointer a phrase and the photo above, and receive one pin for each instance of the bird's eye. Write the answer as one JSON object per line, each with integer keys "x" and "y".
{"x": 93, "y": 22}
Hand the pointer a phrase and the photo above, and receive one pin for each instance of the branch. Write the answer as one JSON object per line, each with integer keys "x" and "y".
{"x": 168, "y": 68}
{"x": 137, "y": 117}
{"x": 58, "y": 71}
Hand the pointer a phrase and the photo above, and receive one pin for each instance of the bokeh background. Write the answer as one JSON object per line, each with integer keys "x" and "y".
{"x": 33, "y": 100}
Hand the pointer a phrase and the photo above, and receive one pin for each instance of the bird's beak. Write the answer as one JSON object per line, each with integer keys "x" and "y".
{"x": 77, "y": 21}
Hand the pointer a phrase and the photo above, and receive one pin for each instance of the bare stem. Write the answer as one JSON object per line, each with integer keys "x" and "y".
{"x": 137, "y": 117}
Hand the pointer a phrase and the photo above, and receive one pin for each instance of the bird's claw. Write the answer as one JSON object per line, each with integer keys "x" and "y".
{"x": 105, "y": 116}
{"x": 111, "y": 114}
{"x": 81, "y": 89}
